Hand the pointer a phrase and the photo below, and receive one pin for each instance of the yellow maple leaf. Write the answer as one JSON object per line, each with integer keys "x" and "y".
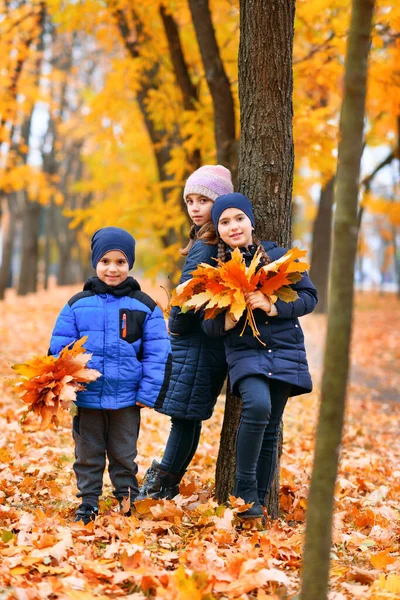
{"x": 223, "y": 287}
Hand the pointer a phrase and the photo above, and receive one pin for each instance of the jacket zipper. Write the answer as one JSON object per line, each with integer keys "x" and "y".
{"x": 123, "y": 327}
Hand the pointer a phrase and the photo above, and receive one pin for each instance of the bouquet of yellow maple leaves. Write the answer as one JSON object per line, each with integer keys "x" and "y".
{"x": 223, "y": 287}
{"x": 49, "y": 384}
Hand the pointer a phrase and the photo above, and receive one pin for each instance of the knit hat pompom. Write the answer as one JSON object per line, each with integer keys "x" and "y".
{"x": 210, "y": 181}
{"x": 112, "y": 238}
{"x": 234, "y": 200}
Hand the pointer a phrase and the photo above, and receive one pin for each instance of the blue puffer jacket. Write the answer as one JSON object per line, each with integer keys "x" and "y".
{"x": 284, "y": 356}
{"x": 128, "y": 339}
{"x": 198, "y": 362}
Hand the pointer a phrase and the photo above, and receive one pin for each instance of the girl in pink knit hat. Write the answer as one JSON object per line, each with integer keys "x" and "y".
{"x": 198, "y": 361}
{"x": 202, "y": 188}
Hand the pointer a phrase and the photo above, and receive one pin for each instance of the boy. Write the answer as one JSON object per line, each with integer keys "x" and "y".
{"x": 128, "y": 339}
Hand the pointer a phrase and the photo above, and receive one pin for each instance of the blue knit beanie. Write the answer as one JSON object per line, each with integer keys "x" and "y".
{"x": 234, "y": 200}
{"x": 112, "y": 238}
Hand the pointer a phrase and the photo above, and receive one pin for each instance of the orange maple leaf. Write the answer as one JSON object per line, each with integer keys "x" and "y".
{"x": 223, "y": 287}
{"x": 49, "y": 384}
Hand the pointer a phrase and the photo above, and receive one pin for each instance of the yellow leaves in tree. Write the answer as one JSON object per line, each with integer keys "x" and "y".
{"x": 223, "y": 287}
{"x": 49, "y": 384}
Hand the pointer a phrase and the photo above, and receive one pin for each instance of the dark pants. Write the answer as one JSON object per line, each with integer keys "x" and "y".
{"x": 263, "y": 403}
{"x": 181, "y": 445}
{"x": 101, "y": 433}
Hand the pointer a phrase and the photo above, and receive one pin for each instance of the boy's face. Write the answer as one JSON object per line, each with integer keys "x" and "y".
{"x": 113, "y": 268}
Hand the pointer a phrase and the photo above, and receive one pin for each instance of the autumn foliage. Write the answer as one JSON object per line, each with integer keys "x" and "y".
{"x": 49, "y": 384}
{"x": 223, "y": 287}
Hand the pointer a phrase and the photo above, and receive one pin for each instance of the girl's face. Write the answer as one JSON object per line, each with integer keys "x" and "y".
{"x": 235, "y": 228}
{"x": 113, "y": 268}
{"x": 199, "y": 208}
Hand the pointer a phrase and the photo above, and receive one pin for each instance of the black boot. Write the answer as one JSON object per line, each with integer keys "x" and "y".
{"x": 86, "y": 513}
{"x": 247, "y": 490}
{"x": 158, "y": 483}
{"x": 261, "y": 496}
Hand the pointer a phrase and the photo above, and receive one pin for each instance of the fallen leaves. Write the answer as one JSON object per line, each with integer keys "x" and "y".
{"x": 49, "y": 384}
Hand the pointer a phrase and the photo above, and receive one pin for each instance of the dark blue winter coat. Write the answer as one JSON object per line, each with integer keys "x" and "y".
{"x": 284, "y": 356}
{"x": 198, "y": 361}
{"x": 128, "y": 339}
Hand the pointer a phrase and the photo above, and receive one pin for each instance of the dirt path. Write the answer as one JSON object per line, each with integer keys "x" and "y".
{"x": 375, "y": 352}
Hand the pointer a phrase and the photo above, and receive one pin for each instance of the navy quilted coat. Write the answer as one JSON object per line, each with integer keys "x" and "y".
{"x": 128, "y": 339}
{"x": 198, "y": 361}
{"x": 284, "y": 356}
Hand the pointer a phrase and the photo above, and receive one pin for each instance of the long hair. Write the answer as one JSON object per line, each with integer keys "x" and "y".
{"x": 206, "y": 234}
{"x": 222, "y": 250}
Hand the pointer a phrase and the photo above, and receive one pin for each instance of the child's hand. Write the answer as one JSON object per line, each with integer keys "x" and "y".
{"x": 230, "y": 322}
{"x": 141, "y": 405}
{"x": 258, "y": 300}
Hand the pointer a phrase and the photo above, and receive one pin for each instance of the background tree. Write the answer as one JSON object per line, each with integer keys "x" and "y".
{"x": 266, "y": 161}
{"x": 336, "y": 362}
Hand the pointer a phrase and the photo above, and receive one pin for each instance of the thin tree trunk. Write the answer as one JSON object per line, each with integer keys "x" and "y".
{"x": 265, "y": 161}
{"x": 8, "y": 234}
{"x": 321, "y": 246}
{"x": 161, "y": 146}
{"x": 336, "y": 363}
{"x": 219, "y": 86}
{"x": 183, "y": 79}
{"x": 28, "y": 277}
{"x": 47, "y": 245}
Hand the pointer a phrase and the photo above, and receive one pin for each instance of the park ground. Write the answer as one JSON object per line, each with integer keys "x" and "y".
{"x": 191, "y": 548}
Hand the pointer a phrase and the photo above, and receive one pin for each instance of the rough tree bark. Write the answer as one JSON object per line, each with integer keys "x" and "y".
{"x": 321, "y": 246}
{"x": 265, "y": 160}
{"x": 219, "y": 86}
{"x": 336, "y": 362}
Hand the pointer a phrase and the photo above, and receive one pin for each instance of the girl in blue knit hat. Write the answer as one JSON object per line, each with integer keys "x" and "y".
{"x": 198, "y": 362}
{"x": 128, "y": 340}
{"x": 263, "y": 375}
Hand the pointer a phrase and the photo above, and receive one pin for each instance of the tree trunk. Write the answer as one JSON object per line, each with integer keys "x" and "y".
{"x": 265, "y": 159}
{"x": 9, "y": 230}
{"x": 219, "y": 86}
{"x": 30, "y": 248}
{"x": 160, "y": 143}
{"x": 183, "y": 79}
{"x": 336, "y": 362}
{"x": 321, "y": 246}
{"x": 47, "y": 245}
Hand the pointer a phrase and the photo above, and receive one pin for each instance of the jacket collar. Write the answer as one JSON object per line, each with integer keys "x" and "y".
{"x": 249, "y": 251}
{"x": 123, "y": 289}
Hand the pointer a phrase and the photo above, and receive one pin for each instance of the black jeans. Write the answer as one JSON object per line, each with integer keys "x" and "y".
{"x": 263, "y": 403}
{"x": 106, "y": 433}
{"x": 181, "y": 445}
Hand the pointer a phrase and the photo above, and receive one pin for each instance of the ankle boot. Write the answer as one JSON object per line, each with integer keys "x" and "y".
{"x": 158, "y": 483}
{"x": 247, "y": 490}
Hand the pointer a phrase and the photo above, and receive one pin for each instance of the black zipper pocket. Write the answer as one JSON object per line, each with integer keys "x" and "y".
{"x": 131, "y": 324}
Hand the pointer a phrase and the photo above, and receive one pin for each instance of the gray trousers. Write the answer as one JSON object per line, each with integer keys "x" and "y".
{"x": 106, "y": 433}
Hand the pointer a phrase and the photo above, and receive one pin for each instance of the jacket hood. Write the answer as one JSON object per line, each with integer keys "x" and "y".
{"x": 123, "y": 289}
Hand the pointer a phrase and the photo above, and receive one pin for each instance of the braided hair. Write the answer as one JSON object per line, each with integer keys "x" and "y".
{"x": 206, "y": 233}
{"x": 222, "y": 250}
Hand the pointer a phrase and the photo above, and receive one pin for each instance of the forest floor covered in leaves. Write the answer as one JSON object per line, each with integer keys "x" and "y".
{"x": 191, "y": 548}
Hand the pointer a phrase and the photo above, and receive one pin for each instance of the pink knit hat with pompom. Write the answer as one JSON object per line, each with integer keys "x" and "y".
{"x": 210, "y": 181}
